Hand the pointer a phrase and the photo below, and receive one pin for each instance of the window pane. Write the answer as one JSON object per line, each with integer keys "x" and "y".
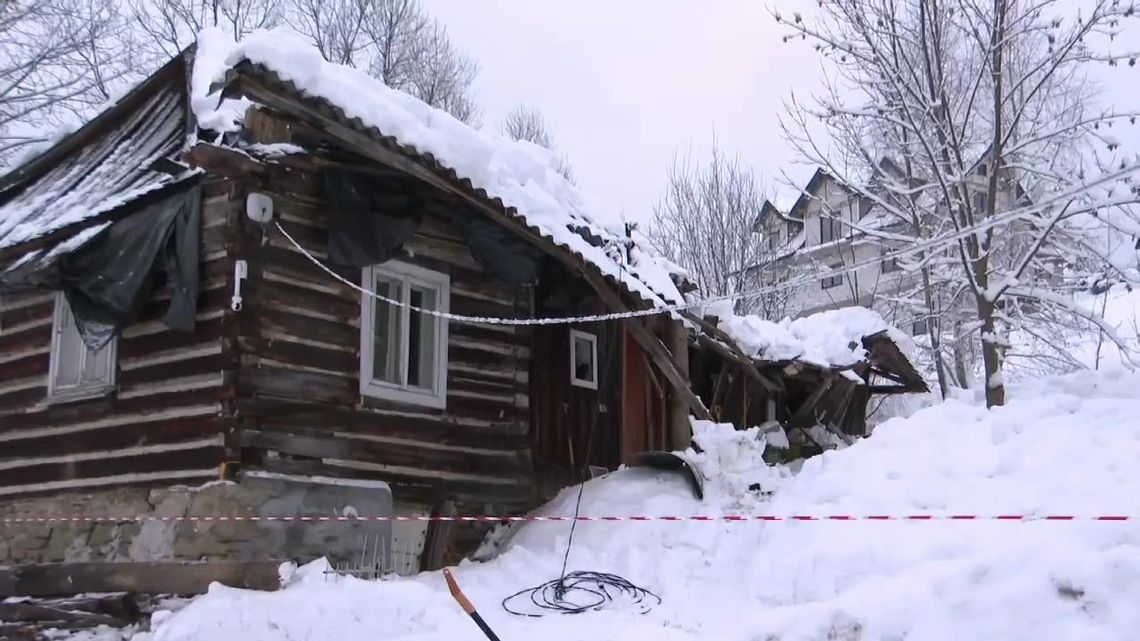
{"x": 386, "y": 338}
{"x": 69, "y": 359}
{"x": 422, "y": 333}
{"x": 583, "y": 359}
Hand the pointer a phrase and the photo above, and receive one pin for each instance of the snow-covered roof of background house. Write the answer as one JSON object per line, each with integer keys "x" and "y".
{"x": 829, "y": 339}
{"x": 522, "y": 176}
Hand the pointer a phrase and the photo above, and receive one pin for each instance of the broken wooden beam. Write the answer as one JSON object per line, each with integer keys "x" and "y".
{"x": 150, "y": 577}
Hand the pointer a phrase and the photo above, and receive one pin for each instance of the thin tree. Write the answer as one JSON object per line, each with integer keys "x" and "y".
{"x": 1007, "y": 161}
{"x": 706, "y": 220}
{"x": 526, "y": 123}
{"x": 58, "y": 60}
{"x": 396, "y": 41}
{"x": 165, "y": 27}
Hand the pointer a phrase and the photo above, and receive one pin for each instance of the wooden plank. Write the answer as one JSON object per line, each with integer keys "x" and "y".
{"x": 411, "y": 486}
{"x": 455, "y": 431}
{"x": 313, "y": 443}
{"x": 112, "y": 437}
{"x": 152, "y": 577}
{"x": 105, "y": 409}
{"x": 198, "y": 458}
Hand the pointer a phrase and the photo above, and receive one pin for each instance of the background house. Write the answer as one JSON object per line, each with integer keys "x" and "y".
{"x": 832, "y": 227}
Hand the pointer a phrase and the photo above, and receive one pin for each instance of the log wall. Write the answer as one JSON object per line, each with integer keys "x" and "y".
{"x": 299, "y": 405}
{"x": 162, "y": 425}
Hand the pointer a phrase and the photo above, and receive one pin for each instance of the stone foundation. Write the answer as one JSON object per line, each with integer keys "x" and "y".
{"x": 253, "y": 495}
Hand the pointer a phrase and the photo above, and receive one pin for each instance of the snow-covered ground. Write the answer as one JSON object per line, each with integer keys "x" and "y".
{"x": 1067, "y": 445}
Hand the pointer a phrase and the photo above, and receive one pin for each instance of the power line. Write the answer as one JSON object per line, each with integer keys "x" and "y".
{"x": 931, "y": 245}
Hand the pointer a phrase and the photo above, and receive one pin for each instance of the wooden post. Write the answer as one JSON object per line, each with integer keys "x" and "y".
{"x": 435, "y": 540}
{"x": 681, "y": 432}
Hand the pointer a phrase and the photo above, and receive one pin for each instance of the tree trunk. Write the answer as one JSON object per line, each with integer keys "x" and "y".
{"x": 962, "y": 370}
{"x": 934, "y": 330}
{"x": 991, "y": 356}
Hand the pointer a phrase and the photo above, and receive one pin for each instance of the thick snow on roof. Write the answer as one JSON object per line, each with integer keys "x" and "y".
{"x": 1066, "y": 447}
{"x": 823, "y": 339}
{"x": 521, "y": 174}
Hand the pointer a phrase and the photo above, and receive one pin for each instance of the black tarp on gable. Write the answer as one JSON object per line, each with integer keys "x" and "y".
{"x": 371, "y": 219}
{"x": 108, "y": 278}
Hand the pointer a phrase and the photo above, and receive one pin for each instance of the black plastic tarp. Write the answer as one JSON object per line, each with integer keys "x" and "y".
{"x": 107, "y": 278}
{"x": 500, "y": 251}
{"x": 369, "y": 220}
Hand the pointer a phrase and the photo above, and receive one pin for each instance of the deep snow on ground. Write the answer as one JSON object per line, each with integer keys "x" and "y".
{"x": 1067, "y": 445}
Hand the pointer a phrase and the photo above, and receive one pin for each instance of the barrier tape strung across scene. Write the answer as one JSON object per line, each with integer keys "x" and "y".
{"x": 487, "y": 518}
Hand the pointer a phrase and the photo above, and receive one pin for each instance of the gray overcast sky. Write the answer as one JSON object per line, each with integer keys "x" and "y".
{"x": 624, "y": 84}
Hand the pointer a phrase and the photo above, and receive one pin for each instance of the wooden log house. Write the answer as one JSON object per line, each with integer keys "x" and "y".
{"x": 282, "y": 365}
{"x": 497, "y": 415}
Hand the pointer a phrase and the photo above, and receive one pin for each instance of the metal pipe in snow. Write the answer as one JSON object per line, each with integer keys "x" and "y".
{"x": 467, "y": 606}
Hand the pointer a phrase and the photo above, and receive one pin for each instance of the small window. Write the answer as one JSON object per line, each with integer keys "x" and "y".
{"x": 76, "y": 372}
{"x": 830, "y": 229}
{"x": 583, "y": 359}
{"x": 888, "y": 264}
{"x": 979, "y": 201}
{"x": 918, "y": 327}
{"x": 403, "y": 351}
{"x": 832, "y": 281}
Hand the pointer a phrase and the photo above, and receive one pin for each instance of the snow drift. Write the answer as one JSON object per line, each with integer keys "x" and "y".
{"x": 1063, "y": 446}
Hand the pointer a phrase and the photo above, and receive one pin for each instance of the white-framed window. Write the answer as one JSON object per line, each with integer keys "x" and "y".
{"x": 828, "y": 282}
{"x": 76, "y": 372}
{"x": 583, "y": 359}
{"x": 403, "y": 352}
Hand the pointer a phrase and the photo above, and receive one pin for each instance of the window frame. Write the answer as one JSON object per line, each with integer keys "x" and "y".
{"x": 920, "y": 326}
{"x": 84, "y": 390}
{"x": 887, "y": 265}
{"x": 407, "y": 275}
{"x": 593, "y": 340}
{"x": 831, "y": 282}
{"x": 831, "y": 223}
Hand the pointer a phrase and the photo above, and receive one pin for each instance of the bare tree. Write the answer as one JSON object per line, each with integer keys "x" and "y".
{"x": 705, "y": 222}
{"x": 1007, "y": 162}
{"x": 394, "y": 40}
{"x": 57, "y": 62}
{"x": 166, "y": 27}
{"x": 526, "y": 123}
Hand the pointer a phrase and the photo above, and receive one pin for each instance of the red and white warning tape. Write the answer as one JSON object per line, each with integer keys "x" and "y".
{"x": 487, "y": 518}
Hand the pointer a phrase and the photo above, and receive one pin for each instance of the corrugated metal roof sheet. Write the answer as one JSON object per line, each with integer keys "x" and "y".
{"x": 111, "y": 170}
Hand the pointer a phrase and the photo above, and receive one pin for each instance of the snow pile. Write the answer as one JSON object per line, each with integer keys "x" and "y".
{"x": 832, "y": 338}
{"x": 523, "y": 175}
{"x": 1064, "y": 446}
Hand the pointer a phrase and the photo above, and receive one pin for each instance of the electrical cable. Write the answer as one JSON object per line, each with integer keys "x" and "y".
{"x": 581, "y": 591}
{"x": 929, "y": 245}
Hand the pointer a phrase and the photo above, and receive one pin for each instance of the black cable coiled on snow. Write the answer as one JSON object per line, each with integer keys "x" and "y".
{"x": 579, "y": 592}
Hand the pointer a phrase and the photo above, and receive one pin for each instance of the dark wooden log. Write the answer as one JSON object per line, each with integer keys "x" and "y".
{"x": 154, "y": 577}
{"x": 115, "y": 610}
{"x": 224, "y": 161}
{"x": 312, "y": 443}
{"x": 278, "y": 414}
{"x": 437, "y": 536}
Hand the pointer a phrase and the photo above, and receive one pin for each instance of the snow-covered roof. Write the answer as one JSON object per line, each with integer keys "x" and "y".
{"x": 102, "y": 166}
{"x": 832, "y": 338}
{"x": 522, "y": 175}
